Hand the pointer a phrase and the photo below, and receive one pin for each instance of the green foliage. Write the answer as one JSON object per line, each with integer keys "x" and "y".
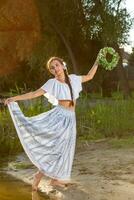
{"x": 9, "y": 143}
{"x": 122, "y": 142}
{"x": 96, "y": 119}
{"x": 61, "y": 23}
{"x": 75, "y": 31}
{"x": 106, "y": 118}
{"x": 108, "y": 20}
{"x": 17, "y": 90}
{"x": 102, "y": 58}
{"x": 19, "y": 165}
{"x": 117, "y": 95}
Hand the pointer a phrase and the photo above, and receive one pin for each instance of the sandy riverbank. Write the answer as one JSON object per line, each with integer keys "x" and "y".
{"x": 100, "y": 171}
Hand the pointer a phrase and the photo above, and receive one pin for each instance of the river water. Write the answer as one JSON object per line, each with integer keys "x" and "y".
{"x": 13, "y": 189}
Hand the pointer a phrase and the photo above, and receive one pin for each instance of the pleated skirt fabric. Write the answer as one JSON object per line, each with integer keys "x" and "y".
{"x": 48, "y": 139}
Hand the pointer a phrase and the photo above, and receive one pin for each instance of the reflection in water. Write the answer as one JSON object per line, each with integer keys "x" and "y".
{"x": 35, "y": 196}
{"x": 12, "y": 189}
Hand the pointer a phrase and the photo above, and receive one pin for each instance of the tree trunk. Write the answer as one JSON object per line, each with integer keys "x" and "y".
{"x": 67, "y": 45}
{"x": 106, "y": 84}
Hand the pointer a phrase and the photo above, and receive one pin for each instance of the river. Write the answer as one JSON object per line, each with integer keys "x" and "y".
{"x": 13, "y": 189}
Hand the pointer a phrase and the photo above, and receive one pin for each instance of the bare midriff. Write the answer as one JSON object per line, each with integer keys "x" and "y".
{"x": 66, "y": 104}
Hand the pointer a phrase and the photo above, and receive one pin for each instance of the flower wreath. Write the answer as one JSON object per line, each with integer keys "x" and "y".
{"x": 102, "y": 60}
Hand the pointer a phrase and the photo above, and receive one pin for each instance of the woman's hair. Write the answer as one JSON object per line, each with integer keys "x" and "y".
{"x": 67, "y": 80}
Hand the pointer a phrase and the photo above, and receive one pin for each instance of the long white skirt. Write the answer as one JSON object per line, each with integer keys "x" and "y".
{"x": 48, "y": 139}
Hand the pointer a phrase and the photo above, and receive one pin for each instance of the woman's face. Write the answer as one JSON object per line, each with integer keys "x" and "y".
{"x": 56, "y": 68}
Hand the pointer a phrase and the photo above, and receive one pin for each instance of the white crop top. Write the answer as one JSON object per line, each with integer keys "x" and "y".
{"x": 56, "y": 90}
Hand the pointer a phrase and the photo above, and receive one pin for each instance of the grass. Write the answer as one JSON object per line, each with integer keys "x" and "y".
{"x": 19, "y": 165}
{"x": 110, "y": 118}
{"x": 96, "y": 119}
{"x": 122, "y": 143}
{"x": 9, "y": 143}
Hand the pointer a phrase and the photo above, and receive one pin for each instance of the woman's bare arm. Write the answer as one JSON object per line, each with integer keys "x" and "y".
{"x": 91, "y": 72}
{"x": 29, "y": 95}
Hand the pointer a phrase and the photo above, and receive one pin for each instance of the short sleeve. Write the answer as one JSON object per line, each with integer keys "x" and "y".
{"x": 47, "y": 87}
{"x": 77, "y": 82}
{"x": 49, "y": 93}
{"x": 51, "y": 99}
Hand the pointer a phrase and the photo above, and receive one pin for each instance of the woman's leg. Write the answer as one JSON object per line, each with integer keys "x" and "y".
{"x": 36, "y": 181}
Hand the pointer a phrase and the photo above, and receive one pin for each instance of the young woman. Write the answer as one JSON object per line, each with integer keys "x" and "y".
{"x": 49, "y": 138}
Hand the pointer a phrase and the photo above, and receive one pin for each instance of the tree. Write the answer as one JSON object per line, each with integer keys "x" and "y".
{"x": 74, "y": 30}
{"x": 61, "y": 25}
{"x": 109, "y": 22}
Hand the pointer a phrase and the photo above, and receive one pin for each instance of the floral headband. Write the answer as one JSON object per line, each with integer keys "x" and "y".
{"x": 64, "y": 65}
